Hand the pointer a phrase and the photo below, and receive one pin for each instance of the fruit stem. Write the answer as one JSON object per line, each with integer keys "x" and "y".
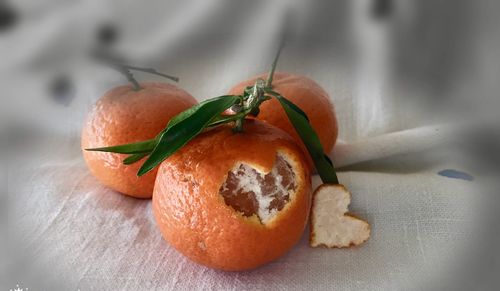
{"x": 150, "y": 71}
{"x": 257, "y": 97}
{"x": 226, "y": 118}
{"x": 270, "y": 77}
{"x": 125, "y": 69}
{"x": 130, "y": 77}
{"x": 238, "y": 127}
{"x": 269, "y": 82}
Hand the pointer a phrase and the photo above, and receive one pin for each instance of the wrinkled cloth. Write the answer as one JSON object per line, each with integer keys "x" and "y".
{"x": 84, "y": 236}
{"x": 68, "y": 232}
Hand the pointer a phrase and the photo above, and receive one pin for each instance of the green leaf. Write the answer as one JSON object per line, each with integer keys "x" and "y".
{"x": 148, "y": 145}
{"x": 131, "y": 148}
{"x": 188, "y": 112}
{"x": 288, "y": 102}
{"x": 185, "y": 127}
{"x": 134, "y": 158}
{"x": 329, "y": 160}
{"x": 183, "y": 115}
{"x": 310, "y": 139}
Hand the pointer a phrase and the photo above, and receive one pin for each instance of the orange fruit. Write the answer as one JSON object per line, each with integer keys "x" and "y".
{"x": 234, "y": 201}
{"x": 307, "y": 95}
{"x": 122, "y": 116}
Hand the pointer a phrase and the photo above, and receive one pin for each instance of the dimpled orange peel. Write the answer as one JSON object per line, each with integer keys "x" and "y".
{"x": 234, "y": 201}
{"x": 125, "y": 115}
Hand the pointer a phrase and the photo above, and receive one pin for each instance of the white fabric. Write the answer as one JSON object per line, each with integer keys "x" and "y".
{"x": 81, "y": 234}
{"x": 67, "y": 230}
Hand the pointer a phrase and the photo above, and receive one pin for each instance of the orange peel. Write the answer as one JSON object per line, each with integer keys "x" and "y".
{"x": 331, "y": 224}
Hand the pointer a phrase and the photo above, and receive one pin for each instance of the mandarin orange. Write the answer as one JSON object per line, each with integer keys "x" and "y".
{"x": 234, "y": 201}
{"x": 307, "y": 95}
{"x": 124, "y": 115}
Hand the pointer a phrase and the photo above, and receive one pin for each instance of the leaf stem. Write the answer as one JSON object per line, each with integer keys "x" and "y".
{"x": 150, "y": 71}
{"x": 269, "y": 82}
{"x": 270, "y": 76}
{"x": 130, "y": 78}
{"x": 125, "y": 69}
{"x": 226, "y": 118}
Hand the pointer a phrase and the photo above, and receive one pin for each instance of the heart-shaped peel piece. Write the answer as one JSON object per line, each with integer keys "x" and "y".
{"x": 331, "y": 225}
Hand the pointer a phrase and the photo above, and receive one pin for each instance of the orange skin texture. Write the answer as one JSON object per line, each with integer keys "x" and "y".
{"x": 193, "y": 217}
{"x": 123, "y": 116}
{"x": 307, "y": 95}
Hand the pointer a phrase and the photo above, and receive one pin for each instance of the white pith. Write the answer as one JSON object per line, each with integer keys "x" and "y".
{"x": 330, "y": 226}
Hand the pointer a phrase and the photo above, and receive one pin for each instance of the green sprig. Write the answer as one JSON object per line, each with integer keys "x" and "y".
{"x": 211, "y": 113}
